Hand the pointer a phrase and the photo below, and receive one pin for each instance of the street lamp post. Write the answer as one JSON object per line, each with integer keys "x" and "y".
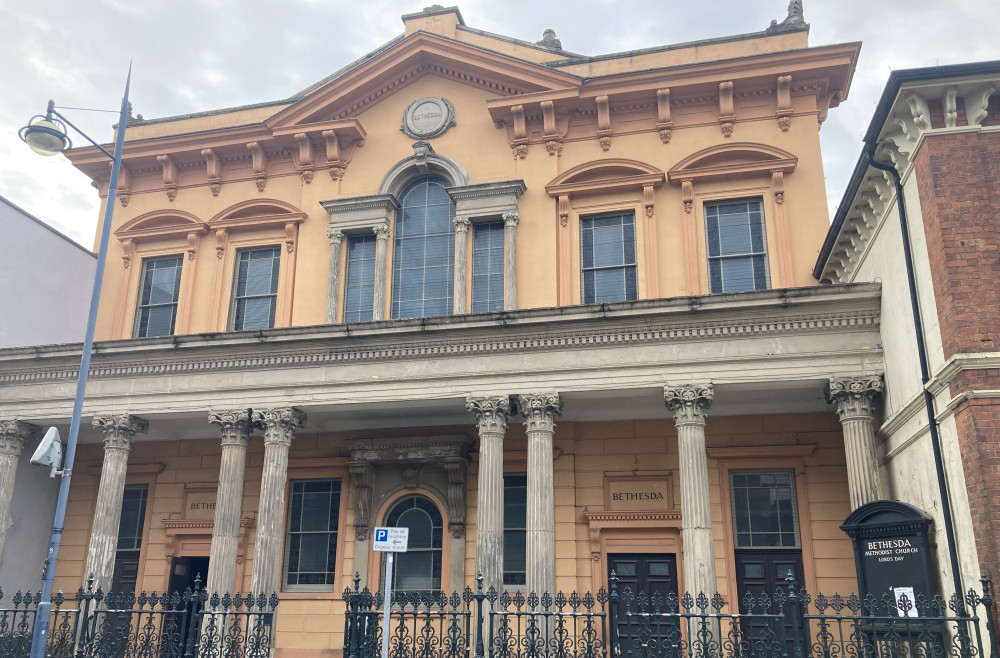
{"x": 47, "y": 135}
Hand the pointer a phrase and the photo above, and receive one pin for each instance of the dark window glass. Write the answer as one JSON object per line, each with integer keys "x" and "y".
{"x": 515, "y": 515}
{"x": 256, "y": 293}
{"x": 608, "y": 258}
{"x": 133, "y": 517}
{"x": 487, "y": 267}
{"x": 158, "y": 294}
{"x": 764, "y": 509}
{"x": 737, "y": 249}
{"x": 359, "y": 297}
{"x": 419, "y": 568}
{"x": 424, "y": 251}
{"x": 311, "y": 542}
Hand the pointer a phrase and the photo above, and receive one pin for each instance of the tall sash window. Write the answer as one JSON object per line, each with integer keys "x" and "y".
{"x": 424, "y": 251}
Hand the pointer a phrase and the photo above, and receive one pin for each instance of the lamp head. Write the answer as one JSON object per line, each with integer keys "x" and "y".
{"x": 45, "y": 135}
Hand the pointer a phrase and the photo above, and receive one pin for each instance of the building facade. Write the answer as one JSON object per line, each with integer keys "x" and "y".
{"x": 554, "y": 313}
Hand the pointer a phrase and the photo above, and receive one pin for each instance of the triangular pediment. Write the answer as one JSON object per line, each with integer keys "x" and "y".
{"x": 346, "y": 94}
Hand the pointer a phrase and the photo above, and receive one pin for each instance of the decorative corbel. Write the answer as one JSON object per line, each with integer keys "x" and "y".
{"x": 213, "y": 168}
{"x": 363, "y": 494}
{"x": 727, "y": 114}
{"x": 687, "y": 195}
{"x": 193, "y": 238}
{"x": 291, "y": 235}
{"x": 918, "y": 109}
{"x": 553, "y": 141}
{"x": 664, "y": 124}
{"x": 519, "y": 145}
{"x": 832, "y": 99}
{"x": 949, "y": 104}
{"x": 595, "y": 544}
{"x": 124, "y": 179}
{"x": 778, "y": 186}
{"x": 976, "y": 103}
{"x": 784, "y": 112}
{"x": 259, "y": 163}
{"x": 647, "y": 199}
{"x": 128, "y": 251}
{"x": 169, "y": 175}
{"x": 337, "y": 166}
{"x": 221, "y": 240}
{"x": 456, "y": 468}
{"x": 305, "y": 156}
{"x": 563, "y": 210}
{"x": 603, "y": 122}
{"x": 420, "y": 152}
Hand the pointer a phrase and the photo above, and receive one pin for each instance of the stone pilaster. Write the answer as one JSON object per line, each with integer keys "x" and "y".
{"x": 381, "y": 239}
{"x": 491, "y": 415}
{"x": 690, "y": 404}
{"x": 333, "y": 287}
{"x": 119, "y": 432}
{"x": 461, "y": 240}
{"x": 540, "y": 412}
{"x": 13, "y": 434}
{"x": 857, "y": 399}
{"x": 234, "y": 426}
{"x": 510, "y": 222}
{"x": 279, "y": 430}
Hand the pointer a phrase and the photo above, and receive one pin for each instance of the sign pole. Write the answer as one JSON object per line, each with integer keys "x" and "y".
{"x": 387, "y": 606}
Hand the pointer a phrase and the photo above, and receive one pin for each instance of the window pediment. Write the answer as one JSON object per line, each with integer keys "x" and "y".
{"x": 605, "y": 175}
{"x": 257, "y": 214}
{"x": 732, "y": 161}
{"x": 161, "y": 225}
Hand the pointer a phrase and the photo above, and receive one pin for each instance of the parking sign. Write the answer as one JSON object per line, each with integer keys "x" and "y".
{"x": 391, "y": 540}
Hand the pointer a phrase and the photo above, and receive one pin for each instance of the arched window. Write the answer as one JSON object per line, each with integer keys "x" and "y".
{"x": 424, "y": 250}
{"x": 419, "y": 568}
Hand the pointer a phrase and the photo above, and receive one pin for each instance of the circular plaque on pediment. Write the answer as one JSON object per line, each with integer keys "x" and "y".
{"x": 428, "y": 117}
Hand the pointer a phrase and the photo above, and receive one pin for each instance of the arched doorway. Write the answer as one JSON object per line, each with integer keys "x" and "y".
{"x": 419, "y": 568}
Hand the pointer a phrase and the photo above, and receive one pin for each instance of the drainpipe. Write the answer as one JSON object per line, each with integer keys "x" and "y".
{"x": 942, "y": 483}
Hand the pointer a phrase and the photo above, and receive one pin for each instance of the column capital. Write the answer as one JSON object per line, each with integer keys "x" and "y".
{"x": 511, "y": 218}
{"x": 856, "y": 397}
{"x": 381, "y": 232}
{"x": 336, "y": 236}
{"x": 279, "y": 424}
{"x": 234, "y": 425}
{"x": 120, "y": 430}
{"x": 540, "y": 410}
{"x": 689, "y": 402}
{"x": 491, "y": 412}
{"x": 13, "y": 434}
{"x": 462, "y": 224}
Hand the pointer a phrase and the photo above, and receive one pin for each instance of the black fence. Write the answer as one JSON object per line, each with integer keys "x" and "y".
{"x": 628, "y": 624}
{"x": 191, "y": 624}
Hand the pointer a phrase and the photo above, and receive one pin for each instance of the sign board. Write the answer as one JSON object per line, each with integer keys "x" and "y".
{"x": 891, "y": 551}
{"x": 653, "y": 493}
{"x": 200, "y": 505}
{"x": 390, "y": 540}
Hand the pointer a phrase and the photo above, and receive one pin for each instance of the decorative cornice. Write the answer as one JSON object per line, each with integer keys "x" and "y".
{"x": 425, "y": 346}
{"x": 481, "y": 190}
{"x": 279, "y": 424}
{"x": 13, "y": 434}
{"x": 689, "y": 403}
{"x": 234, "y": 425}
{"x": 856, "y": 397}
{"x": 598, "y": 518}
{"x": 119, "y": 431}
{"x": 491, "y": 413}
{"x": 540, "y": 411}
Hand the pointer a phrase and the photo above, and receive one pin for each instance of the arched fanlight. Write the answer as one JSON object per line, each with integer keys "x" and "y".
{"x": 45, "y": 135}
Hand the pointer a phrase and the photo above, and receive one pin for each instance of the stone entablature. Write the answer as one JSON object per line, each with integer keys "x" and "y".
{"x": 920, "y": 110}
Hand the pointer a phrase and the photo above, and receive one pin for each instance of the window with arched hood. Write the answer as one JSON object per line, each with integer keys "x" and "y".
{"x": 424, "y": 250}
{"x": 419, "y": 568}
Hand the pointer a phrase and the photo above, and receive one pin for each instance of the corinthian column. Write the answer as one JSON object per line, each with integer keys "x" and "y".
{"x": 234, "y": 425}
{"x": 279, "y": 430}
{"x": 510, "y": 222}
{"x": 119, "y": 432}
{"x": 856, "y": 399}
{"x": 461, "y": 238}
{"x": 690, "y": 404}
{"x": 333, "y": 287}
{"x": 381, "y": 238}
{"x": 540, "y": 412}
{"x": 13, "y": 434}
{"x": 491, "y": 414}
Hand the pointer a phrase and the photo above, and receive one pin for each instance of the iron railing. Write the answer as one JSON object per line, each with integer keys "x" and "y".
{"x": 191, "y": 624}
{"x": 634, "y": 624}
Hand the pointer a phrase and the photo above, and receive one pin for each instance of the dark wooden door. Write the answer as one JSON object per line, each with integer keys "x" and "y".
{"x": 646, "y": 582}
{"x": 762, "y": 574}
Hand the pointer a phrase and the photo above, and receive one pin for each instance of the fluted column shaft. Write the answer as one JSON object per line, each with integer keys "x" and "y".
{"x": 279, "y": 430}
{"x": 491, "y": 415}
{"x": 333, "y": 288}
{"x": 13, "y": 434}
{"x": 857, "y": 399}
{"x": 234, "y": 426}
{"x": 381, "y": 239}
{"x": 510, "y": 222}
{"x": 461, "y": 239}
{"x": 690, "y": 405}
{"x": 540, "y": 412}
{"x": 119, "y": 433}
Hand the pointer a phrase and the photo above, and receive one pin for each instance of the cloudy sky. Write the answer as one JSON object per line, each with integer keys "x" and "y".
{"x": 196, "y": 55}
